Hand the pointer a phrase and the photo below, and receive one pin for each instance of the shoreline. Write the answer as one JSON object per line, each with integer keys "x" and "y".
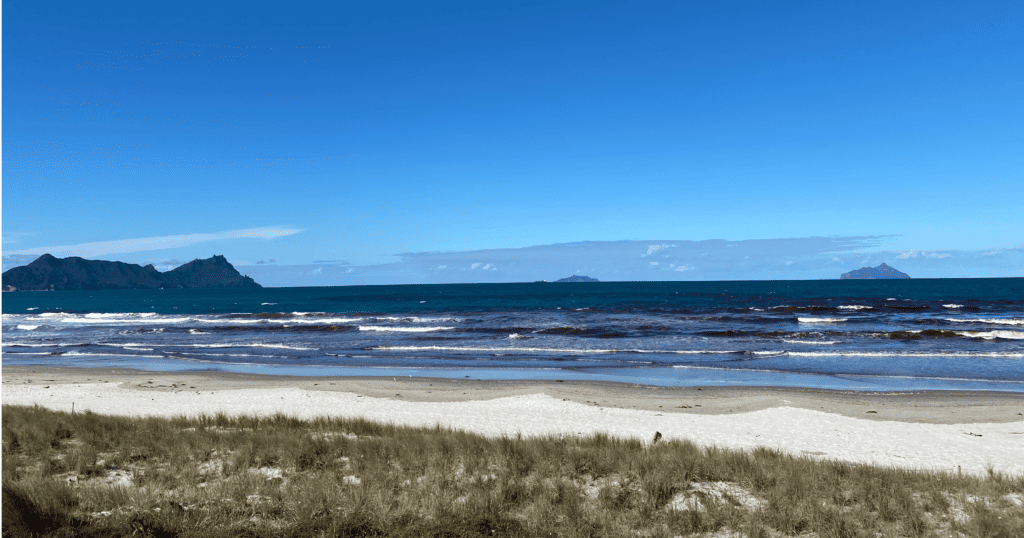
{"x": 919, "y": 407}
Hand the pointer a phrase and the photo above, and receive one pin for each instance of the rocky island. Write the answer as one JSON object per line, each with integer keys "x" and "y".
{"x": 883, "y": 271}
{"x": 577, "y": 278}
{"x": 74, "y": 273}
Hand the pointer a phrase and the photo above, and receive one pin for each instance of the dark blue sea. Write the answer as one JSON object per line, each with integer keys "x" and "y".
{"x": 943, "y": 334}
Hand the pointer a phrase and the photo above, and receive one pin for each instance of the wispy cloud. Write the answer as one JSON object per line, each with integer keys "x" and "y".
{"x": 9, "y": 238}
{"x": 125, "y": 246}
{"x": 913, "y": 253}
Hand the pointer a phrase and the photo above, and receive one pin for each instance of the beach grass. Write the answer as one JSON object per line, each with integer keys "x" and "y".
{"x": 93, "y": 475}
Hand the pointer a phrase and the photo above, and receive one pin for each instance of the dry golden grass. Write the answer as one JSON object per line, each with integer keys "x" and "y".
{"x": 93, "y": 475}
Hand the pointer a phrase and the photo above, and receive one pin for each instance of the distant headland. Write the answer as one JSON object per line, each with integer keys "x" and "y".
{"x": 74, "y": 273}
{"x": 577, "y": 278}
{"x": 883, "y": 271}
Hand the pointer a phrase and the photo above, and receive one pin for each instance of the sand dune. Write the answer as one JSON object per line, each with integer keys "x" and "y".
{"x": 972, "y": 447}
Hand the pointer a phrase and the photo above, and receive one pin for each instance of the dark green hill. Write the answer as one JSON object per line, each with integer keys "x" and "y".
{"x": 74, "y": 273}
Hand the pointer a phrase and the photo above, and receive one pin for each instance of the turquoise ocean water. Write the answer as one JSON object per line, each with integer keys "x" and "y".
{"x": 959, "y": 334}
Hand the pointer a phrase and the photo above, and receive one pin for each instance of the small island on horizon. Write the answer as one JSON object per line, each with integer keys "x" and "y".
{"x": 578, "y": 278}
{"x": 49, "y": 273}
{"x": 882, "y": 272}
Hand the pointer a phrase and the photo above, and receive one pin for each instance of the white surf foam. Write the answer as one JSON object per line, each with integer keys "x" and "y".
{"x": 995, "y": 321}
{"x": 237, "y": 355}
{"x": 403, "y": 329}
{"x": 81, "y": 354}
{"x": 282, "y": 346}
{"x": 545, "y": 350}
{"x": 965, "y": 354}
{"x": 811, "y": 342}
{"x": 28, "y": 327}
{"x": 317, "y": 321}
{"x": 821, "y": 320}
{"x": 992, "y": 335}
{"x": 211, "y": 346}
{"x": 953, "y": 305}
{"x": 288, "y": 321}
{"x": 413, "y": 319}
{"x": 232, "y": 321}
{"x": 493, "y": 349}
{"x": 274, "y": 346}
{"x": 854, "y": 307}
{"x": 110, "y": 319}
{"x": 686, "y": 351}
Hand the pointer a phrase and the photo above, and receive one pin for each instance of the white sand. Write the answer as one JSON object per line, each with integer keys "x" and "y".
{"x": 972, "y": 447}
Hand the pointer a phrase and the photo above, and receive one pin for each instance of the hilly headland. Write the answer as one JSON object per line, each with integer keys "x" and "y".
{"x": 49, "y": 273}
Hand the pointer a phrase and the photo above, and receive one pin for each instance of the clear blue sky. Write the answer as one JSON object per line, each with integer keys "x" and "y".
{"x": 305, "y": 133}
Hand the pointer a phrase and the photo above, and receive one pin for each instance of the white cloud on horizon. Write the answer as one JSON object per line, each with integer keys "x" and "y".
{"x": 913, "y": 253}
{"x": 126, "y": 246}
{"x": 654, "y": 248}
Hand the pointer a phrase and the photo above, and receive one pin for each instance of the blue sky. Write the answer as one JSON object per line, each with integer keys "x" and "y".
{"x": 350, "y": 143}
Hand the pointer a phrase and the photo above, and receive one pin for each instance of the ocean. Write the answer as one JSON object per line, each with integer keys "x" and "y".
{"x": 874, "y": 335}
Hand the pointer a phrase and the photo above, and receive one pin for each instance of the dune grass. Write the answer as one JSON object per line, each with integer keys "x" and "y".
{"x": 93, "y": 475}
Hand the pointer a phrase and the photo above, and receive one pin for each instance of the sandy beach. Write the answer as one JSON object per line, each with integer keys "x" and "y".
{"x": 952, "y": 431}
